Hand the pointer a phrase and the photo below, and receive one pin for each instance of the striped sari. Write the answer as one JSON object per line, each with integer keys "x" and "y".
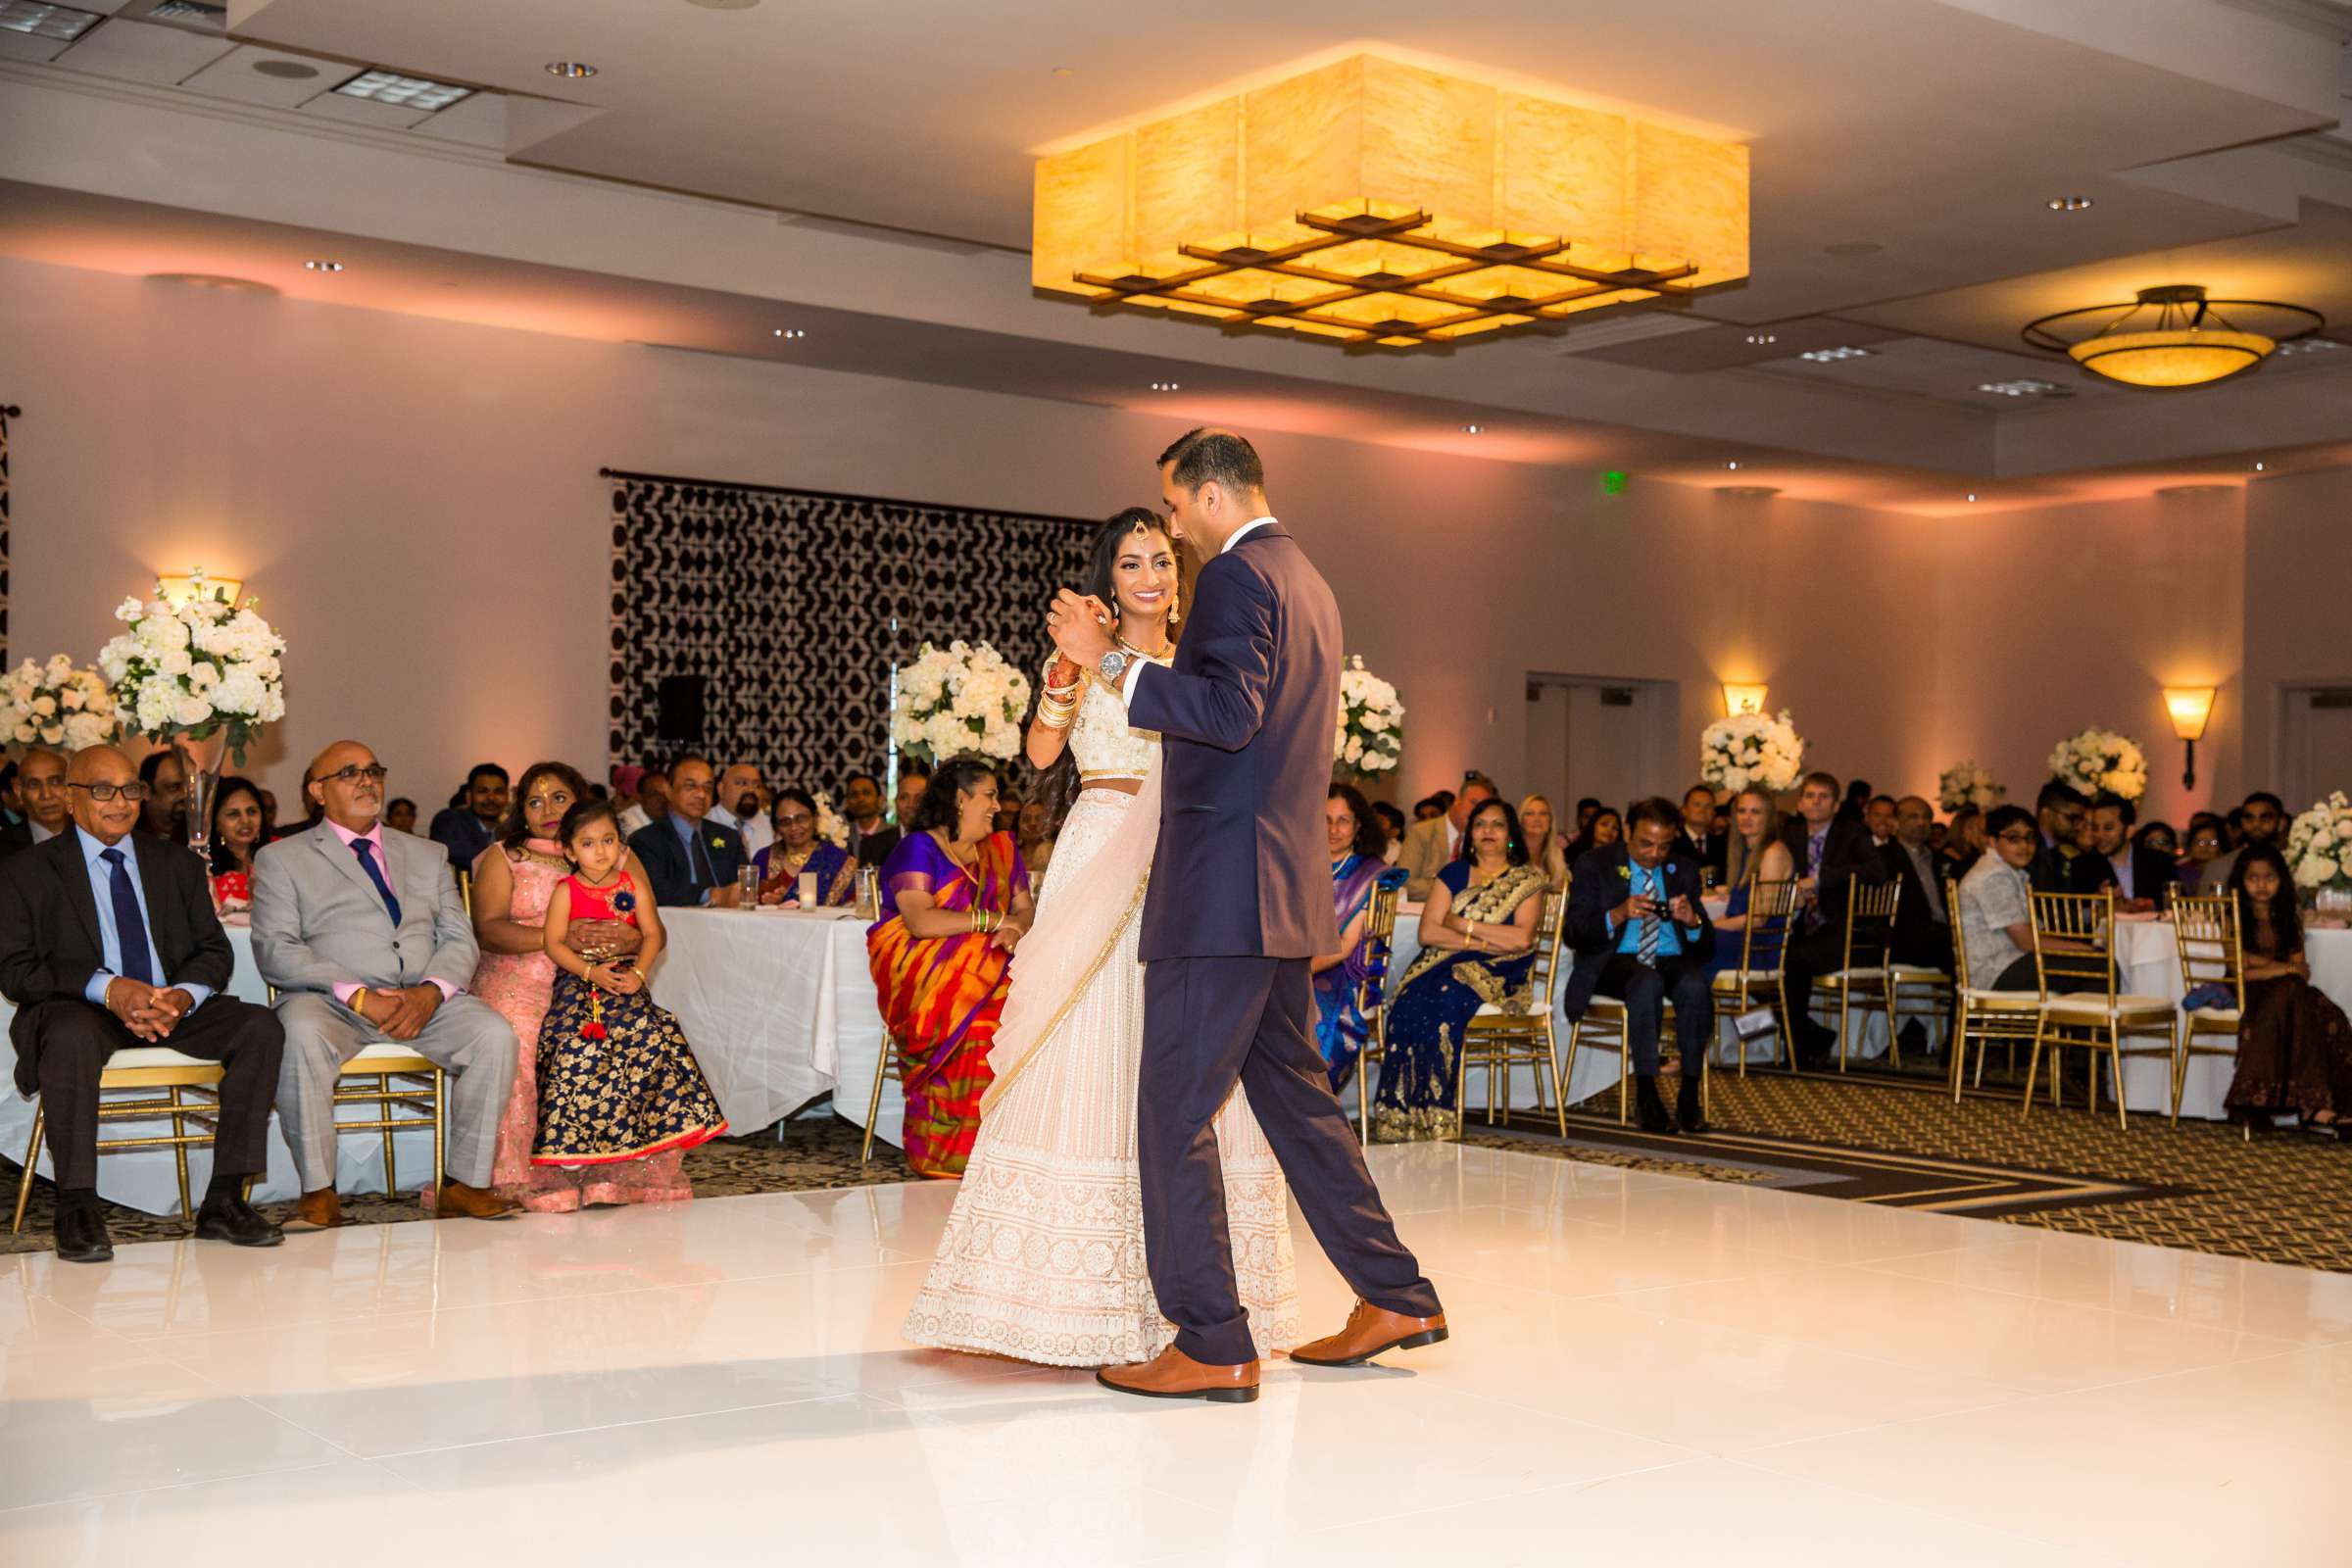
{"x": 941, "y": 997}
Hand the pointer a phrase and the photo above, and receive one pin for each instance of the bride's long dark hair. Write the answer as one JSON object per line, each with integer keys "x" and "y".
{"x": 1057, "y": 786}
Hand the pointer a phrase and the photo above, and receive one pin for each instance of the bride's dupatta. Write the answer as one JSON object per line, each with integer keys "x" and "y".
{"x": 1072, "y": 938}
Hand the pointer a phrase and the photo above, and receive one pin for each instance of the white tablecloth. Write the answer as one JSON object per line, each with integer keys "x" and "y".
{"x": 2149, "y": 965}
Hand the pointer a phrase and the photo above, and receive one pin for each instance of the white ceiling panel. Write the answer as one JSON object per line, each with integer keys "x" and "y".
{"x": 138, "y": 51}
{"x": 478, "y": 121}
{"x": 290, "y": 81}
{"x": 363, "y": 112}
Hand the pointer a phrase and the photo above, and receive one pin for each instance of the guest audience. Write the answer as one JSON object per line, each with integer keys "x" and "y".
{"x": 1356, "y": 840}
{"x": 1923, "y": 926}
{"x": 1831, "y": 854}
{"x": 46, "y": 800}
{"x": 1434, "y": 843}
{"x": 2064, "y": 817}
{"x": 363, "y": 935}
{"x": 796, "y": 852}
{"x": 741, "y": 804}
{"x": 2294, "y": 1046}
{"x": 12, "y": 806}
{"x": 400, "y": 816}
{"x": 1602, "y": 828}
{"x": 270, "y": 830}
{"x": 1641, "y": 934}
{"x": 1697, "y": 834}
{"x": 1966, "y": 843}
{"x": 465, "y": 831}
{"x": 1436, "y": 805}
{"x": 690, "y": 859}
{"x": 617, "y": 1082}
{"x": 1996, "y": 911}
{"x": 2139, "y": 875}
{"x": 1857, "y": 797}
{"x": 236, "y": 840}
{"x": 513, "y": 882}
{"x": 1878, "y": 815}
{"x": 1478, "y": 936}
{"x": 872, "y": 836}
{"x": 1392, "y": 821}
{"x": 2160, "y": 838}
{"x": 2233, "y": 828}
{"x": 2206, "y": 839}
{"x": 1587, "y": 808}
{"x": 956, "y": 902}
{"x": 151, "y": 968}
{"x": 1009, "y": 802}
{"x": 1754, "y": 854}
{"x": 165, "y": 812}
{"x": 1546, "y": 850}
{"x": 2260, "y": 820}
{"x": 1036, "y": 832}
{"x": 651, "y": 803}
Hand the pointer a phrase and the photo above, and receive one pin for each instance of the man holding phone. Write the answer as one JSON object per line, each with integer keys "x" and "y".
{"x": 1641, "y": 936}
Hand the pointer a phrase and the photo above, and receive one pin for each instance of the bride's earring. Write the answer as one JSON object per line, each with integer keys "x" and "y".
{"x": 1175, "y": 610}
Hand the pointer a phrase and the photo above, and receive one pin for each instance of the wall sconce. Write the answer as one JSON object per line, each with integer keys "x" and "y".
{"x": 2191, "y": 707}
{"x": 178, "y": 591}
{"x": 1740, "y": 699}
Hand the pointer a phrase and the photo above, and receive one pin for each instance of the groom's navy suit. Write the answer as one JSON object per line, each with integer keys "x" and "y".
{"x": 1240, "y": 903}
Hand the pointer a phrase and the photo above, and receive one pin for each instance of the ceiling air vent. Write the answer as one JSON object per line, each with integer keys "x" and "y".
{"x": 191, "y": 14}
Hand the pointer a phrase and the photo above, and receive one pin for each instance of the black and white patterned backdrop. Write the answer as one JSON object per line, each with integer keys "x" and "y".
{"x": 792, "y": 607}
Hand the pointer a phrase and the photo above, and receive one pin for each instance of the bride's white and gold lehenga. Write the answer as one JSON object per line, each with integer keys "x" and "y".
{"x": 1043, "y": 1257}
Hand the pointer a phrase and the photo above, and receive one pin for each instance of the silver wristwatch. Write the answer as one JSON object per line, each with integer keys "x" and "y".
{"x": 1114, "y": 666}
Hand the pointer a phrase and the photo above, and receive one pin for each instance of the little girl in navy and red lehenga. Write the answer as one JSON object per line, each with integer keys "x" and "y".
{"x": 616, "y": 1078}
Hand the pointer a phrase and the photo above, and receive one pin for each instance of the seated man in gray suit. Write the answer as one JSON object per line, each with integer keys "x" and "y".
{"x": 362, "y": 931}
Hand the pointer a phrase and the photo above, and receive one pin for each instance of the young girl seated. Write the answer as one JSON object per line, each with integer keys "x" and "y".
{"x": 616, "y": 1079}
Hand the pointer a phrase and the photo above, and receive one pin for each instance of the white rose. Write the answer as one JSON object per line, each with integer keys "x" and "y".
{"x": 191, "y": 710}
{"x": 51, "y": 734}
{"x": 73, "y": 699}
{"x": 176, "y": 661}
{"x": 26, "y": 734}
{"x": 239, "y": 691}
{"x": 273, "y": 706}
{"x": 84, "y": 729}
{"x": 44, "y": 706}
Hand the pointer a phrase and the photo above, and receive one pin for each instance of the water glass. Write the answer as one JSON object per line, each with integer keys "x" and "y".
{"x": 747, "y": 880}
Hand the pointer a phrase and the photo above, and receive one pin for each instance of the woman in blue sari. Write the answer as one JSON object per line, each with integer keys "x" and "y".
{"x": 1478, "y": 942}
{"x": 1359, "y": 840}
{"x": 798, "y": 851}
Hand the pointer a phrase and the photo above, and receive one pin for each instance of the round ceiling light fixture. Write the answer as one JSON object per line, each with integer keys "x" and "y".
{"x": 323, "y": 266}
{"x": 285, "y": 69}
{"x": 571, "y": 70}
{"x": 2172, "y": 337}
{"x": 2072, "y": 203}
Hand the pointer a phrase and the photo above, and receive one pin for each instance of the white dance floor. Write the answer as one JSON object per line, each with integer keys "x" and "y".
{"x": 1644, "y": 1369}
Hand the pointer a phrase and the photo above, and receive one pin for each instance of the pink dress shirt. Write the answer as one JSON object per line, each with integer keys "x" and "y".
{"x": 375, "y": 836}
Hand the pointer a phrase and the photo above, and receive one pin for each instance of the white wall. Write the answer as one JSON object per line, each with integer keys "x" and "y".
{"x": 416, "y": 504}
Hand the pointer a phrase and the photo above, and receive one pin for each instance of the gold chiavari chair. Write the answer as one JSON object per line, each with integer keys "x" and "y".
{"x": 1372, "y": 991}
{"x": 886, "y": 1070}
{"x": 1918, "y": 991}
{"x": 1986, "y": 1015}
{"x": 2098, "y": 1019}
{"x": 1860, "y": 982}
{"x": 2206, "y": 933}
{"x": 1756, "y": 981}
{"x": 389, "y": 1079}
{"x": 1499, "y": 1038}
{"x": 140, "y": 1071}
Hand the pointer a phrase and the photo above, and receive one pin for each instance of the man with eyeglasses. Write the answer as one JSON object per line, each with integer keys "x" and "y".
{"x": 2063, "y": 816}
{"x": 363, "y": 933}
{"x": 2261, "y": 818}
{"x": 41, "y": 790}
{"x": 690, "y": 859}
{"x": 108, "y": 942}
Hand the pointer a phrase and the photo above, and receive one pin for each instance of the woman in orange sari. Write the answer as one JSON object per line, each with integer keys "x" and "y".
{"x": 960, "y": 903}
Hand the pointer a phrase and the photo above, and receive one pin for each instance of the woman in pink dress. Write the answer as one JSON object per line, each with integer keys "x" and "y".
{"x": 512, "y": 880}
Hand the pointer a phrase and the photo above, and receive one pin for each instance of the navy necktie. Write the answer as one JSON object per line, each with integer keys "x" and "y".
{"x": 376, "y": 874}
{"x": 703, "y": 874}
{"x": 130, "y": 929}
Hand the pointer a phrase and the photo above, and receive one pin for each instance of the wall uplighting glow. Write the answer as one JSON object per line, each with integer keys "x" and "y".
{"x": 179, "y": 590}
{"x": 1739, "y": 698}
{"x": 2191, "y": 709}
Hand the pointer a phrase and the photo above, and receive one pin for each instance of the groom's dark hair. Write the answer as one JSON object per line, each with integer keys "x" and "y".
{"x": 1201, "y": 455}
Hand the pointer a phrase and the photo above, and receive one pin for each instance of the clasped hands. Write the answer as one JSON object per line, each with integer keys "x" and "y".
{"x": 1081, "y": 627}
{"x": 399, "y": 1013}
{"x": 619, "y": 976}
{"x": 150, "y": 1012}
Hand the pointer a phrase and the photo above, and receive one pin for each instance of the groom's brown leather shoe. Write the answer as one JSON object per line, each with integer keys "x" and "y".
{"x": 1174, "y": 1375}
{"x": 1370, "y": 1332}
{"x": 474, "y": 1203}
{"x": 321, "y": 1210}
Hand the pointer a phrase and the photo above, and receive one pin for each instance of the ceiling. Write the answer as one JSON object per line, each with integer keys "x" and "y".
{"x": 1903, "y": 156}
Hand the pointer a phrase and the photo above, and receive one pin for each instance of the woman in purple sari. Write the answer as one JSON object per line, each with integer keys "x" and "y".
{"x": 1359, "y": 840}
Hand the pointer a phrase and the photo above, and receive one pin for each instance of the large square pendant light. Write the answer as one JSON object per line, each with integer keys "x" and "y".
{"x": 1374, "y": 201}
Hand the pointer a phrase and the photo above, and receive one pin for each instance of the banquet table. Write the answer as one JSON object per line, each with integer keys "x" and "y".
{"x": 2148, "y": 964}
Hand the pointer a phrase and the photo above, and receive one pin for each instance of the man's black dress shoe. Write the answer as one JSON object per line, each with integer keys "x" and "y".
{"x": 1685, "y": 1108}
{"x": 81, "y": 1237}
{"x": 1650, "y": 1108}
{"x": 233, "y": 1220}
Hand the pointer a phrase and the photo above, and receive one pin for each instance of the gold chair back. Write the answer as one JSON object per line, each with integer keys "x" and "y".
{"x": 2085, "y": 921}
{"x": 2205, "y": 931}
{"x": 1870, "y": 921}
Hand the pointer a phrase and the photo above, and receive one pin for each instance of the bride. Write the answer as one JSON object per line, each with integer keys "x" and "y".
{"x": 1043, "y": 1257}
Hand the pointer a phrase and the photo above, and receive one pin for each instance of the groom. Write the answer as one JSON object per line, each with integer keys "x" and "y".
{"x": 1240, "y": 901}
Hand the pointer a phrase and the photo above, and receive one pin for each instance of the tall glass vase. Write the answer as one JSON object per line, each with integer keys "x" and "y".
{"x": 200, "y": 762}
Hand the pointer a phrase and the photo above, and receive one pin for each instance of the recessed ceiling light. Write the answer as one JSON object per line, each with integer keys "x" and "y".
{"x": 61, "y": 22}
{"x": 1853, "y": 247}
{"x": 1832, "y": 356}
{"x": 1972, "y": 495}
{"x": 1166, "y": 386}
{"x": 1762, "y": 338}
{"x": 791, "y": 332}
{"x": 1473, "y": 429}
{"x": 571, "y": 70}
{"x": 2258, "y": 467}
{"x": 1065, "y": 71}
{"x": 323, "y": 266}
{"x": 2024, "y": 386}
{"x": 403, "y": 92}
{"x": 1734, "y": 463}
{"x": 285, "y": 69}
{"x": 2070, "y": 204}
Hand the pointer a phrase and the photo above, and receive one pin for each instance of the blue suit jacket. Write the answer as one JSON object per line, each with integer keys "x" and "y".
{"x": 1243, "y": 865}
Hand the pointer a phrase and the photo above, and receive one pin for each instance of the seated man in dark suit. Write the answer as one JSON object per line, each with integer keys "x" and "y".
{"x": 691, "y": 860}
{"x": 466, "y": 830}
{"x": 107, "y": 943}
{"x": 41, "y": 790}
{"x": 2063, "y": 816}
{"x": 1832, "y": 853}
{"x": 2138, "y": 875}
{"x": 1923, "y": 924}
{"x": 1698, "y": 833}
{"x": 1642, "y": 937}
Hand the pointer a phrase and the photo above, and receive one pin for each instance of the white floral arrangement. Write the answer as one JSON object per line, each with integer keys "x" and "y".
{"x": 1751, "y": 749}
{"x": 957, "y": 699}
{"x": 56, "y": 704}
{"x": 2319, "y": 845}
{"x": 1968, "y": 784}
{"x": 831, "y": 826}
{"x": 2101, "y": 760}
{"x": 200, "y": 667}
{"x": 1371, "y": 736}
